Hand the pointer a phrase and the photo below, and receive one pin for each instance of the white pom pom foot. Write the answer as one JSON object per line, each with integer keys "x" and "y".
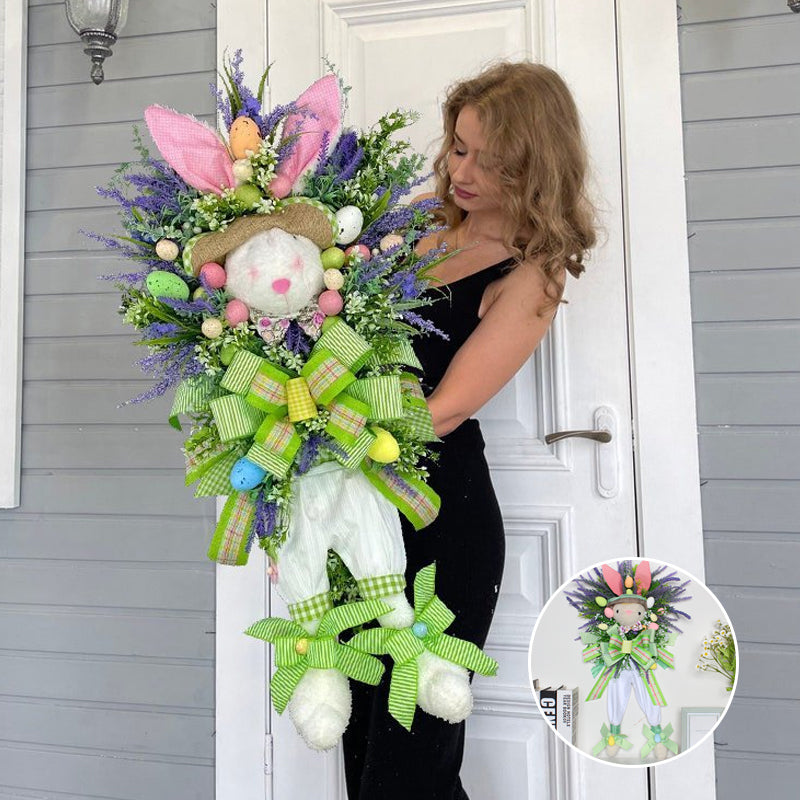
{"x": 320, "y": 707}
{"x": 443, "y": 688}
{"x": 401, "y": 615}
{"x": 659, "y": 752}
{"x": 612, "y": 750}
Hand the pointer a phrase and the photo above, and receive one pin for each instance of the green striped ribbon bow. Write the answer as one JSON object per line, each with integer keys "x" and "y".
{"x": 193, "y": 394}
{"x": 296, "y": 651}
{"x": 655, "y": 735}
{"x": 413, "y": 497}
{"x": 642, "y": 650}
{"x": 609, "y": 738}
{"x": 404, "y": 645}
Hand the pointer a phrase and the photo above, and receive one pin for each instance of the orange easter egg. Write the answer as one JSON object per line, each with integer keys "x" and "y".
{"x": 244, "y": 136}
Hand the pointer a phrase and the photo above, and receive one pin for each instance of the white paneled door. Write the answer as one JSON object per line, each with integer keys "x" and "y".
{"x": 565, "y": 505}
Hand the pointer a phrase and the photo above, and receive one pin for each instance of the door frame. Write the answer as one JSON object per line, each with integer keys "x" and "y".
{"x": 13, "y": 134}
{"x": 666, "y": 460}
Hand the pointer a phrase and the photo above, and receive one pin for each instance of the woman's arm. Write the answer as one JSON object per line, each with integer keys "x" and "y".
{"x": 503, "y": 341}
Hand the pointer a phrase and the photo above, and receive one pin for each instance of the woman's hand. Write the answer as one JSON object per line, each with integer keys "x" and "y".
{"x": 503, "y": 341}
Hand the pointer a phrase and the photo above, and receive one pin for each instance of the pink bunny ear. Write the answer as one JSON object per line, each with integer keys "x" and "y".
{"x": 613, "y": 579}
{"x": 191, "y": 148}
{"x": 322, "y": 100}
{"x": 643, "y": 576}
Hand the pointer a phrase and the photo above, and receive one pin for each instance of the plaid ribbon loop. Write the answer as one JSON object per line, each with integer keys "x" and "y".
{"x": 405, "y": 645}
{"x": 296, "y": 651}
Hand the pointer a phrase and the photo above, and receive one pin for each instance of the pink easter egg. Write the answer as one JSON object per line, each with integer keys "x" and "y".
{"x": 236, "y": 312}
{"x": 653, "y": 626}
{"x": 360, "y": 250}
{"x": 609, "y": 612}
{"x": 330, "y": 302}
{"x": 213, "y": 274}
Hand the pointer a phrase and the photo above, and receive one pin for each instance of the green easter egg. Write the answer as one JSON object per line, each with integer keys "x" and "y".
{"x": 247, "y": 194}
{"x": 167, "y": 284}
{"x": 198, "y": 293}
{"x": 332, "y": 258}
{"x": 601, "y": 601}
{"x": 328, "y": 321}
{"x": 227, "y": 353}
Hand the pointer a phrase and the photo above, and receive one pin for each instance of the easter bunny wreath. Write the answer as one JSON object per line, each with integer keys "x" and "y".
{"x": 630, "y": 621}
{"x": 275, "y": 290}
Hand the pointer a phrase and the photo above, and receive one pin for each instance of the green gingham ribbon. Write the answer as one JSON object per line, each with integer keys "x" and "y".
{"x": 404, "y": 645}
{"x": 296, "y": 651}
{"x": 655, "y": 735}
{"x": 609, "y": 738}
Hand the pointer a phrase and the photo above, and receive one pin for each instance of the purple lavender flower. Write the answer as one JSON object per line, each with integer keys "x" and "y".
{"x": 296, "y": 339}
{"x": 423, "y": 324}
{"x": 266, "y": 515}
{"x": 188, "y": 306}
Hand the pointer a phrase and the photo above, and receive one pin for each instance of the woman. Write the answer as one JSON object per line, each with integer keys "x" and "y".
{"x": 511, "y": 176}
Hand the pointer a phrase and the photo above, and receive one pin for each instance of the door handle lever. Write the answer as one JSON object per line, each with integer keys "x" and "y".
{"x": 598, "y": 436}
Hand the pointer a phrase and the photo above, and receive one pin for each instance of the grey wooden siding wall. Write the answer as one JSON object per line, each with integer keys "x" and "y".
{"x": 106, "y": 597}
{"x": 740, "y": 65}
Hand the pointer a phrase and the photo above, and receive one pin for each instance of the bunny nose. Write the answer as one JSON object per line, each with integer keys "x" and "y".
{"x": 281, "y": 285}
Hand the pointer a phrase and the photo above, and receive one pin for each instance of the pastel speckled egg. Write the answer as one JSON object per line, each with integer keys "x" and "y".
{"x": 601, "y": 601}
{"x": 358, "y": 251}
{"x": 389, "y": 241}
{"x": 236, "y": 312}
{"x": 167, "y": 250}
{"x": 385, "y": 448}
{"x": 603, "y": 626}
{"x": 247, "y": 194}
{"x": 332, "y": 258}
{"x": 333, "y": 279}
{"x": 653, "y": 626}
{"x": 650, "y": 602}
{"x": 167, "y": 284}
{"x": 350, "y": 220}
{"x": 246, "y": 475}
{"x": 199, "y": 293}
{"x": 330, "y": 303}
{"x": 211, "y": 328}
{"x": 628, "y": 582}
{"x": 213, "y": 274}
{"x": 243, "y": 137}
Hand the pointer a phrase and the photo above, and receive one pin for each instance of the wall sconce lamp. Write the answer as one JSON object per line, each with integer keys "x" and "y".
{"x": 97, "y": 22}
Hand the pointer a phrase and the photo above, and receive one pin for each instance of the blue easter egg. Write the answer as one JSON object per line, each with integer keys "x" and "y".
{"x": 657, "y": 738}
{"x": 246, "y": 475}
{"x": 420, "y": 630}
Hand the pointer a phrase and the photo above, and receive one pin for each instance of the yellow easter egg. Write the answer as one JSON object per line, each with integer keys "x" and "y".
{"x": 244, "y": 136}
{"x": 611, "y": 741}
{"x": 385, "y": 448}
{"x": 301, "y": 648}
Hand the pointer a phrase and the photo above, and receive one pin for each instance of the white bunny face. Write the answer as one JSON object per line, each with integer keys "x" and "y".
{"x": 628, "y": 614}
{"x": 275, "y": 272}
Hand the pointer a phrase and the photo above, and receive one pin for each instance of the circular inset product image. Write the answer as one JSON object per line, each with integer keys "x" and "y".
{"x": 633, "y": 661}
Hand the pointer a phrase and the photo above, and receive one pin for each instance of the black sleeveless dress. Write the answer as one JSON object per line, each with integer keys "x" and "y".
{"x": 383, "y": 761}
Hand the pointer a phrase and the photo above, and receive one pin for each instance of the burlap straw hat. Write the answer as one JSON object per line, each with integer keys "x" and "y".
{"x": 298, "y": 215}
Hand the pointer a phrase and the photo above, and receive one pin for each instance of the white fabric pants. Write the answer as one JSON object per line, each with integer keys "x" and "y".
{"x": 337, "y": 508}
{"x": 619, "y": 692}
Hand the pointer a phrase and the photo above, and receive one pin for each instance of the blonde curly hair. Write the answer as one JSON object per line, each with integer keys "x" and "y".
{"x": 536, "y": 147}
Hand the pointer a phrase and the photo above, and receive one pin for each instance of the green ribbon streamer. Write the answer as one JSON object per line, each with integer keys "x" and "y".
{"x": 413, "y": 497}
{"x": 231, "y": 540}
{"x": 404, "y": 646}
{"x": 619, "y": 738}
{"x": 664, "y": 738}
{"x": 296, "y": 651}
{"x": 192, "y": 394}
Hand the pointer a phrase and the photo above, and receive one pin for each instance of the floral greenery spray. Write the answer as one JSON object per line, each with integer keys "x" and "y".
{"x": 719, "y": 653}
